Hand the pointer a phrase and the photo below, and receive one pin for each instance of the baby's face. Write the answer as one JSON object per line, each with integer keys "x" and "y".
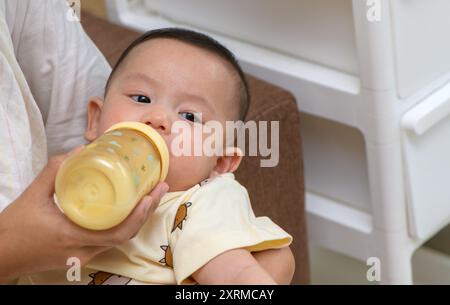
{"x": 163, "y": 81}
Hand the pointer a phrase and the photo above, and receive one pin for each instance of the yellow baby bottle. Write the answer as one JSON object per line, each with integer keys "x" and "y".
{"x": 99, "y": 186}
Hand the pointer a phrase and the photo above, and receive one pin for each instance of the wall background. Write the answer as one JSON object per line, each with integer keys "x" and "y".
{"x": 95, "y": 7}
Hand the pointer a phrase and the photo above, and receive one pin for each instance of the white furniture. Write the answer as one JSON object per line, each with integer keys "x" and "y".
{"x": 375, "y": 102}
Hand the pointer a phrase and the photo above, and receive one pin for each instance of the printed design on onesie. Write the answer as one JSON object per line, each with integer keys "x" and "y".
{"x": 168, "y": 258}
{"x": 180, "y": 216}
{"x": 106, "y": 278}
{"x": 205, "y": 181}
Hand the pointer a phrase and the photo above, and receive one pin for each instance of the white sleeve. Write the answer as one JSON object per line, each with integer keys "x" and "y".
{"x": 61, "y": 64}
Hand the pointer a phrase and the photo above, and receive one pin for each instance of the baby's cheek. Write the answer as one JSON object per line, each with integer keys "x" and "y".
{"x": 186, "y": 171}
{"x": 112, "y": 118}
{"x": 184, "y": 165}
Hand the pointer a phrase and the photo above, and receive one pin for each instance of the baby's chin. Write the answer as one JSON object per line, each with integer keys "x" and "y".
{"x": 176, "y": 186}
{"x": 181, "y": 181}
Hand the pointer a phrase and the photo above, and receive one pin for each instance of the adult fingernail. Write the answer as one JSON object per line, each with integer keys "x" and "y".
{"x": 164, "y": 188}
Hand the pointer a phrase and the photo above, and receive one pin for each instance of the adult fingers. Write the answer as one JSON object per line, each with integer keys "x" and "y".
{"x": 131, "y": 225}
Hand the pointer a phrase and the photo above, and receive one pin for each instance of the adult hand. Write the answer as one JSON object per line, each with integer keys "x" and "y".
{"x": 35, "y": 236}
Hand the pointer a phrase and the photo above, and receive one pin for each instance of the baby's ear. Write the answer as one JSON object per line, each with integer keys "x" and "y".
{"x": 93, "y": 112}
{"x": 229, "y": 162}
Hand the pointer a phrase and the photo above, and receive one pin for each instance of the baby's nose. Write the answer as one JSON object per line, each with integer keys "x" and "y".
{"x": 158, "y": 119}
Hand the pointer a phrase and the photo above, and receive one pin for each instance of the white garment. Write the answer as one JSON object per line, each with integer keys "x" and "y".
{"x": 49, "y": 69}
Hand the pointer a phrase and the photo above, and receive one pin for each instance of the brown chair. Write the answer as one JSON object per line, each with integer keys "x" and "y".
{"x": 276, "y": 192}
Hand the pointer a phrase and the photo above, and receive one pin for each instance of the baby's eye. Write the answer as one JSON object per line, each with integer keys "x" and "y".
{"x": 193, "y": 117}
{"x": 141, "y": 99}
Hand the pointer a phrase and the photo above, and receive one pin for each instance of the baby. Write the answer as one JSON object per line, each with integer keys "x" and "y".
{"x": 204, "y": 230}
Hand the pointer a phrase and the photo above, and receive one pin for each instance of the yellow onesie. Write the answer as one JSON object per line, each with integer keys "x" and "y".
{"x": 188, "y": 229}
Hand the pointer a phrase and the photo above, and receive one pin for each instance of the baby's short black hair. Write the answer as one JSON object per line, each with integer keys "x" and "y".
{"x": 199, "y": 40}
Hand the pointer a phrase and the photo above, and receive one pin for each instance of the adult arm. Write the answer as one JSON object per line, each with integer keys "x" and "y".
{"x": 35, "y": 236}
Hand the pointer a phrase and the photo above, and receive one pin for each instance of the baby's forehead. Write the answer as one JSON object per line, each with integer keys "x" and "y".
{"x": 179, "y": 50}
{"x": 201, "y": 66}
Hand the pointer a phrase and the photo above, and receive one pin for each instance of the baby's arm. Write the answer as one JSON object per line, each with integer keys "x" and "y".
{"x": 236, "y": 266}
{"x": 279, "y": 263}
